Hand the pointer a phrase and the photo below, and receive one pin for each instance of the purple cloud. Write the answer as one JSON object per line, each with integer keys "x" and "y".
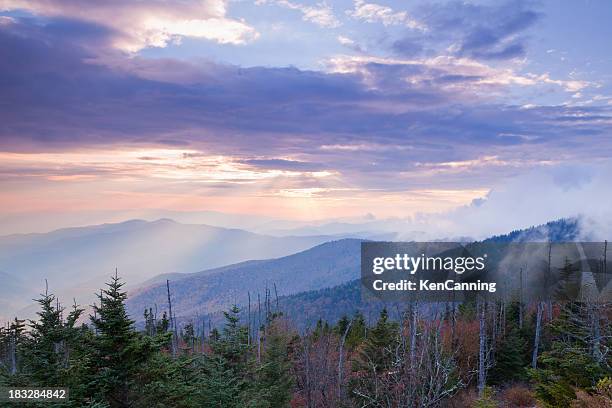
{"x": 63, "y": 89}
{"x": 483, "y": 32}
{"x": 282, "y": 164}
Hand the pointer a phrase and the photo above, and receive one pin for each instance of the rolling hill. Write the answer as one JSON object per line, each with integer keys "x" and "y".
{"x": 77, "y": 261}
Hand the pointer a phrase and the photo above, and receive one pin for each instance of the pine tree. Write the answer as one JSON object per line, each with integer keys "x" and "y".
{"x": 342, "y": 325}
{"x": 273, "y": 382}
{"x": 120, "y": 353}
{"x": 234, "y": 341}
{"x": 53, "y": 353}
{"x": 163, "y": 324}
{"x": 374, "y": 362}
{"x": 150, "y": 327}
{"x": 78, "y": 358}
{"x": 510, "y": 359}
{"x": 214, "y": 335}
{"x": 12, "y": 342}
{"x": 220, "y": 386}
{"x": 356, "y": 333}
{"x": 188, "y": 335}
{"x": 224, "y": 379}
{"x": 511, "y": 354}
{"x": 43, "y": 352}
{"x": 568, "y": 364}
{"x": 380, "y": 341}
{"x": 321, "y": 329}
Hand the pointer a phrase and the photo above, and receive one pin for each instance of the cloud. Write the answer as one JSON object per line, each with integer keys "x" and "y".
{"x": 457, "y": 74}
{"x": 383, "y": 125}
{"x": 345, "y": 41}
{"x": 376, "y": 13}
{"x": 365, "y": 147}
{"x": 535, "y": 198}
{"x": 137, "y": 25}
{"x": 433, "y": 127}
{"x": 350, "y": 43}
{"x": 320, "y": 14}
{"x": 407, "y": 47}
{"x": 135, "y": 164}
{"x": 497, "y": 39}
{"x": 532, "y": 198}
{"x": 480, "y": 162}
{"x": 283, "y": 164}
{"x": 477, "y": 31}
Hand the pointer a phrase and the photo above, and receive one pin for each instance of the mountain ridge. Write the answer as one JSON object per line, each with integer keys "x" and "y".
{"x": 201, "y": 303}
{"x": 78, "y": 260}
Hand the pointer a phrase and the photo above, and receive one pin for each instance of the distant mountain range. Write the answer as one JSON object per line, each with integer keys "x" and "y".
{"x": 77, "y": 261}
{"x": 563, "y": 230}
{"x": 330, "y": 304}
{"x": 321, "y": 282}
{"x": 323, "y": 266}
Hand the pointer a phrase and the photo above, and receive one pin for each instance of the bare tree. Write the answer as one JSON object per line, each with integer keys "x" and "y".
{"x": 420, "y": 375}
{"x": 341, "y": 359}
{"x": 538, "y": 329}
{"x": 482, "y": 349}
{"x": 316, "y": 370}
{"x": 172, "y": 320}
{"x": 520, "y": 305}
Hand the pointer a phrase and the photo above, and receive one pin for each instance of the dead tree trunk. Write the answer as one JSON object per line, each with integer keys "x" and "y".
{"x": 276, "y": 296}
{"x": 249, "y": 320}
{"x": 172, "y": 327}
{"x": 596, "y": 328}
{"x": 308, "y": 382}
{"x": 258, "y": 329}
{"x": 538, "y": 329}
{"x": 482, "y": 339}
{"x": 340, "y": 359}
{"x": 548, "y": 294}
{"x": 521, "y": 299}
{"x": 12, "y": 352}
{"x": 414, "y": 312}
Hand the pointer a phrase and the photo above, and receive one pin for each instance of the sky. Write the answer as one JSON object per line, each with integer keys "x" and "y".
{"x": 303, "y": 110}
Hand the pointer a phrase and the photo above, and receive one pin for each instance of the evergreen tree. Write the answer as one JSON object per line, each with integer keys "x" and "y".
{"x": 273, "y": 382}
{"x": 511, "y": 354}
{"x": 380, "y": 341}
{"x": 342, "y": 325}
{"x": 163, "y": 324}
{"x": 356, "y": 333}
{"x": 374, "y": 362}
{"x": 44, "y": 351}
{"x": 120, "y": 353}
{"x": 467, "y": 310}
{"x": 321, "y": 329}
{"x": 150, "y": 326}
{"x": 78, "y": 340}
{"x": 53, "y": 352}
{"x": 220, "y": 385}
{"x": 174, "y": 382}
{"x": 188, "y": 335}
{"x": 224, "y": 379}
{"x": 569, "y": 364}
{"x": 214, "y": 335}
{"x": 234, "y": 341}
{"x": 510, "y": 359}
{"x": 12, "y": 343}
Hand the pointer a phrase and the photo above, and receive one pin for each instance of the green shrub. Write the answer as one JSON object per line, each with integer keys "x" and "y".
{"x": 487, "y": 399}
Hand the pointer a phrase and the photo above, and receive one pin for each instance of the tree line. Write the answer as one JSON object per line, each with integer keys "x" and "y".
{"x": 474, "y": 354}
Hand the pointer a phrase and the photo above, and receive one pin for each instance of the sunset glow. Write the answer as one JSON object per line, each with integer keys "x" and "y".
{"x": 298, "y": 111}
